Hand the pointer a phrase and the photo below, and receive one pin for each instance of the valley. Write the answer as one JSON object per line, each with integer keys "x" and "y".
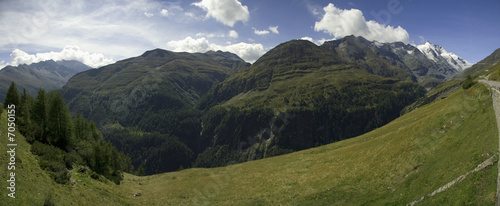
{"x": 347, "y": 123}
{"x": 395, "y": 164}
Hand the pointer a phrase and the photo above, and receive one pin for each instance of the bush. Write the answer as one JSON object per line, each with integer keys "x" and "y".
{"x": 468, "y": 82}
{"x": 48, "y": 201}
{"x": 52, "y": 160}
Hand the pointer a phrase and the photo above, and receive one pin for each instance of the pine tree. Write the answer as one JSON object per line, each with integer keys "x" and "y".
{"x": 140, "y": 171}
{"x": 39, "y": 116}
{"x": 82, "y": 128}
{"x": 24, "y": 116}
{"x": 12, "y": 96}
{"x": 59, "y": 123}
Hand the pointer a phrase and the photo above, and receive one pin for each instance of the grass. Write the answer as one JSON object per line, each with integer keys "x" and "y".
{"x": 393, "y": 165}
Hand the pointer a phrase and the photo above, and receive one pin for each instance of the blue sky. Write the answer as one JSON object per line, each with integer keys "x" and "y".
{"x": 101, "y": 32}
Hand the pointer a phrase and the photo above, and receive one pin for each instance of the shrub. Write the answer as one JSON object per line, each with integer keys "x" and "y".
{"x": 468, "y": 82}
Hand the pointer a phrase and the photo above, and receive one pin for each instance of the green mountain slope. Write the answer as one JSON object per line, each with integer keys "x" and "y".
{"x": 393, "y": 165}
{"x": 484, "y": 67}
{"x": 48, "y": 75}
{"x": 149, "y": 102}
{"x": 297, "y": 96}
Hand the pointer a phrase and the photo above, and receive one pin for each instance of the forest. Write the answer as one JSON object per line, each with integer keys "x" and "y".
{"x": 61, "y": 141}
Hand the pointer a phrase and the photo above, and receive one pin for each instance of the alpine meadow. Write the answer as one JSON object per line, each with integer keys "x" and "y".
{"x": 234, "y": 102}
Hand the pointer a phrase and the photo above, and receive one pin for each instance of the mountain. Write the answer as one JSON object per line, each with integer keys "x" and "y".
{"x": 48, "y": 75}
{"x": 208, "y": 109}
{"x": 396, "y": 164}
{"x": 427, "y": 64}
{"x": 299, "y": 95}
{"x": 443, "y": 58}
{"x": 488, "y": 67}
{"x": 146, "y": 105}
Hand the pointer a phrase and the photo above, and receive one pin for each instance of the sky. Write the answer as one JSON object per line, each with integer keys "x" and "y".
{"x": 100, "y": 32}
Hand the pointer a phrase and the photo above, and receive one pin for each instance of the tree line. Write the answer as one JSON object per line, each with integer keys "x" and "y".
{"x": 62, "y": 141}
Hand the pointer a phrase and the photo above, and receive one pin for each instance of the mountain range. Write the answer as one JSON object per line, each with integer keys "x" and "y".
{"x": 213, "y": 108}
{"x": 426, "y": 156}
{"x": 47, "y": 75}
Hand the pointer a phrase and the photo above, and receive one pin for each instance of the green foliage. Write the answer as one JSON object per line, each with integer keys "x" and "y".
{"x": 154, "y": 152}
{"x": 59, "y": 123}
{"x": 48, "y": 201}
{"x": 39, "y": 116}
{"x": 217, "y": 156}
{"x": 140, "y": 171}
{"x": 12, "y": 96}
{"x": 62, "y": 142}
{"x": 468, "y": 83}
{"x": 52, "y": 159}
{"x": 24, "y": 116}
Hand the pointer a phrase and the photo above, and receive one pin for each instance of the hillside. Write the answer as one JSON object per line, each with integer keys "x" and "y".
{"x": 427, "y": 64}
{"x": 207, "y": 109}
{"x": 146, "y": 105}
{"x": 487, "y": 66}
{"x": 395, "y": 164}
{"x": 297, "y": 96}
{"x": 47, "y": 75}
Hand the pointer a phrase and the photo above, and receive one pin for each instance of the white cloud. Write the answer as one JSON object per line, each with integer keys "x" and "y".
{"x": 164, "y": 12}
{"x": 116, "y": 28}
{"x": 307, "y": 38}
{"x": 69, "y": 52}
{"x": 274, "y": 29}
{"x": 227, "y": 12}
{"x": 317, "y": 42}
{"x": 343, "y": 22}
{"x": 248, "y": 52}
{"x": 233, "y": 34}
{"x": 422, "y": 39}
{"x": 147, "y": 14}
{"x": 260, "y": 32}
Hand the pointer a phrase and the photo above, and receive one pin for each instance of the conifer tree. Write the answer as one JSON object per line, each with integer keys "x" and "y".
{"x": 59, "y": 123}
{"x": 82, "y": 128}
{"x": 12, "y": 96}
{"x": 39, "y": 116}
{"x": 24, "y": 116}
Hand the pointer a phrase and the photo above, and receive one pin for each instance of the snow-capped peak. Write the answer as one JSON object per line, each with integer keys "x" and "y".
{"x": 437, "y": 53}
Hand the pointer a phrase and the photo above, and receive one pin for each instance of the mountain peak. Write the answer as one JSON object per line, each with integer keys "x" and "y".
{"x": 156, "y": 53}
{"x": 438, "y": 54}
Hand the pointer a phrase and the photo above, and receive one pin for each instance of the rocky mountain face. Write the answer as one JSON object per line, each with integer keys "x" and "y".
{"x": 427, "y": 64}
{"x": 48, "y": 75}
{"x": 443, "y": 58}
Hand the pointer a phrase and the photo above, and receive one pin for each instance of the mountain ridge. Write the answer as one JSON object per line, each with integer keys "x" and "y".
{"x": 48, "y": 75}
{"x": 218, "y": 107}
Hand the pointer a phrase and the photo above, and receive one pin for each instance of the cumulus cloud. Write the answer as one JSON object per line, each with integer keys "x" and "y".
{"x": 260, "y": 32}
{"x": 70, "y": 52}
{"x": 317, "y": 42}
{"x": 227, "y": 12}
{"x": 248, "y": 52}
{"x": 307, "y": 38}
{"x": 274, "y": 29}
{"x": 233, "y": 34}
{"x": 343, "y": 22}
{"x": 164, "y": 12}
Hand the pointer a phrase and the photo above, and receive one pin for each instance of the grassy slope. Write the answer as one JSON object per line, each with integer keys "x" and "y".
{"x": 396, "y": 164}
